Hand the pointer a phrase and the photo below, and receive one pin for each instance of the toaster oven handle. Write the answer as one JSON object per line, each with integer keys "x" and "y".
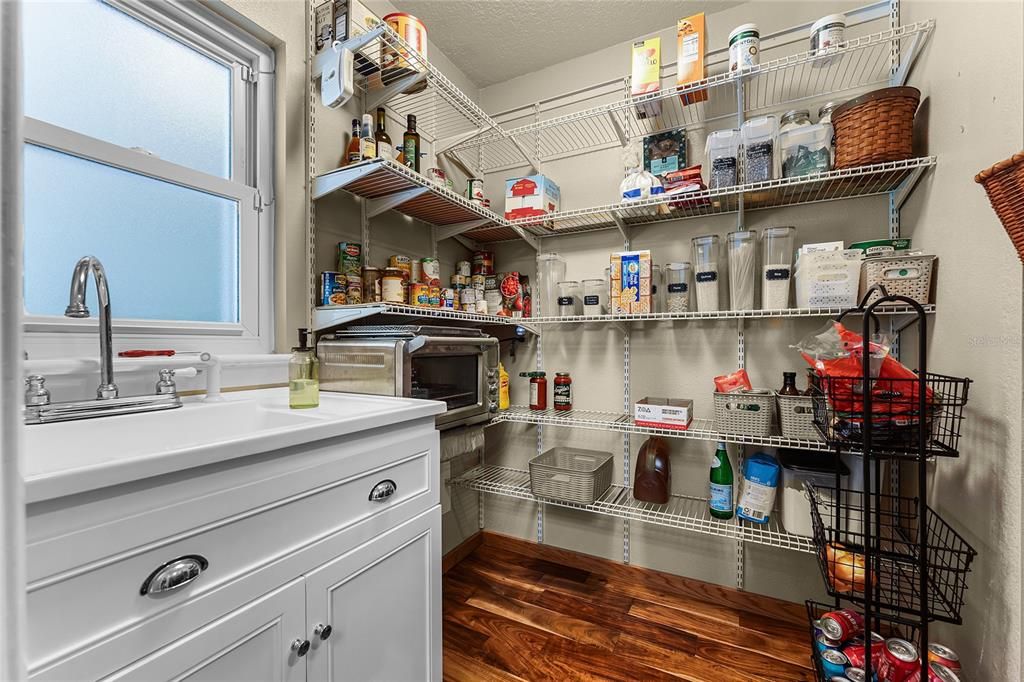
{"x": 417, "y": 342}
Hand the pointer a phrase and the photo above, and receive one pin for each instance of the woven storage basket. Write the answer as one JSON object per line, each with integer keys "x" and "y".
{"x": 876, "y": 127}
{"x": 1004, "y": 184}
{"x": 571, "y": 474}
{"x": 748, "y": 414}
{"x": 796, "y": 417}
{"x": 909, "y": 276}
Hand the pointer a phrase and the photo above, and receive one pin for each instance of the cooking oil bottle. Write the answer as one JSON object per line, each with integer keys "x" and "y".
{"x": 303, "y": 375}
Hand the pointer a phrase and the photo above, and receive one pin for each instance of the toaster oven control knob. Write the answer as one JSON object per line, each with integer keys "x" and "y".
{"x": 493, "y": 407}
{"x": 491, "y": 373}
{"x": 492, "y": 386}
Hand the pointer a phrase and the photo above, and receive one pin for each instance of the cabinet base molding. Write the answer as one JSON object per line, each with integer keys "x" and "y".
{"x": 461, "y": 551}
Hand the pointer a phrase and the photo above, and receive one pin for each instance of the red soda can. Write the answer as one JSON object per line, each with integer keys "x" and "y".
{"x": 856, "y": 675}
{"x": 899, "y": 661}
{"x": 856, "y": 651}
{"x": 936, "y": 673}
{"x": 943, "y": 655}
{"x": 841, "y": 624}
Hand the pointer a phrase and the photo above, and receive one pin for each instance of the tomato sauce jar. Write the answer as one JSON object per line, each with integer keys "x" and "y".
{"x": 538, "y": 389}
{"x": 563, "y": 391}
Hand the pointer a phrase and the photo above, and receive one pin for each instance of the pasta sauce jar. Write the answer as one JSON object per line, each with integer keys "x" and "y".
{"x": 538, "y": 389}
{"x": 563, "y": 391}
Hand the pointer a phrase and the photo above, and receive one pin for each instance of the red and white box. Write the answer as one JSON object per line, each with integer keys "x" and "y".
{"x": 664, "y": 413}
{"x": 534, "y": 195}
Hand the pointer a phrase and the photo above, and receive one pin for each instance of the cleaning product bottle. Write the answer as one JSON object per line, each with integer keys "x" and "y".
{"x": 303, "y": 375}
{"x": 503, "y": 399}
{"x": 721, "y": 484}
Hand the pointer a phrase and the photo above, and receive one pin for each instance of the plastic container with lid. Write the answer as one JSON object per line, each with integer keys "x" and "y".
{"x": 742, "y": 249}
{"x": 825, "y": 119}
{"x": 776, "y": 266}
{"x": 794, "y": 118}
{"x": 677, "y": 287}
{"x": 722, "y": 150}
{"x": 798, "y": 467}
{"x": 806, "y": 150}
{"x": 550, "y": 271}
{"x": 827, "y": 34}
{"x": 569, "y": 298}
{"x": 744, "y": 47}
{"x": 707, "y": 261}
{"x": 759, "y": 157}
{"x": 595, "y": 296}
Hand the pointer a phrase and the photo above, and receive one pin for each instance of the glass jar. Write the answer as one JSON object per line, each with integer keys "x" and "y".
{"x": 706, "y": 257}
{"x": 677, "y": 287}
{"x": 825, "y": 119}
{"x": 777, "y": 266}
{"x": 563, "y": 391}
{"x": 595, "y": 296}
{"x": 794, "y": 119}
{"x": 742, "y": 251}
{"x": 569, "y": 298}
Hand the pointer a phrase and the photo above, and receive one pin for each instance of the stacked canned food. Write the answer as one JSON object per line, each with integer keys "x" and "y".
{"x": 344, "y": 285}
{"x": 842, "y": 651}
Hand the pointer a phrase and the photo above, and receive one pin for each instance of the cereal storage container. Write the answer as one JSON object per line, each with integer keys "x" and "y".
{"x": 706, "y": 260}
{"x": 776, "y": 266}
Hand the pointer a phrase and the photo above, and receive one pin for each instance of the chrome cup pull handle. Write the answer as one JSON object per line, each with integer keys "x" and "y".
{"x": 383, "y": 490}
{"x": 174, "y": 574}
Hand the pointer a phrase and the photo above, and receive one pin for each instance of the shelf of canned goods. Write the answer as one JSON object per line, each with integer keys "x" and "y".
{"x": 682, "y": 511}
{"x": 693, "y": 315}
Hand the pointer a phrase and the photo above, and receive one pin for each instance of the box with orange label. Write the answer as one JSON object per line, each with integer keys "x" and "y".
{"x": 690, "y": 59}
{"x": 630, "y": 285}
{"x": 646, "y": 76}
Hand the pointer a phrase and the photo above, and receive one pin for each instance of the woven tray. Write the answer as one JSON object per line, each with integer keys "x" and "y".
{"x": 1004, "y": 184}
{"x": 571, "y": 474}
{"x": 909, "y": 276}
{"x": 876, "y": 127}
{"x": 748, "y": 414}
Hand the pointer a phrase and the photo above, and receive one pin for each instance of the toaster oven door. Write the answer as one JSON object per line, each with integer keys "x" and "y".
{"x": 457, "y": 374}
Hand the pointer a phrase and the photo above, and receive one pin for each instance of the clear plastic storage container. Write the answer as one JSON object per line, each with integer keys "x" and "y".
{"x": 570, "y": 298}
{"x": 722, "y": 150}
{"x": 595, "y": 296}
{"x": 707, "y": 259}
{"x": 776, "y": 266}
{"x": 759, "y": 157}
{"x": 677, "y": 287}
{"x": 550, "y": 271}
{"x": 742, "y": 249}
{"x": 806, "y": 150}
{"x": 657, "y": 290}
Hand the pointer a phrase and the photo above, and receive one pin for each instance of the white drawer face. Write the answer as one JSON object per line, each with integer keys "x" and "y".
{"x": 101, "y": 598}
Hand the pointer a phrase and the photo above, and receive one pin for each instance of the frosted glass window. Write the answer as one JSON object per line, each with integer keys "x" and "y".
{"x": 95, "y": 70}
{"x": 170, "y": 253}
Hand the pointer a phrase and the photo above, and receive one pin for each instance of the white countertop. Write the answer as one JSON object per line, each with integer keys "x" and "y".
{"x": 73, "y": 457}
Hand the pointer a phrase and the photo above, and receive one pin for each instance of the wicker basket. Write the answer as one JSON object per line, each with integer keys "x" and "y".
{"x": 1004, "y": 184}
{"x": 748, "y": 414}
{"x": 571, "y": 474}
{"x": 876, "y": 127}
{"x": 909, "y": 276}
{"x": 796, "y": 417}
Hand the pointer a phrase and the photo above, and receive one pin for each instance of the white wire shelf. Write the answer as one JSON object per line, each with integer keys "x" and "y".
{"x": 330, "y": 316}
{"x": 682, "y": 512}
{"x": 847, "y": 183}
{"x": 716, "y": 315}
{"x": 857, "y": 64}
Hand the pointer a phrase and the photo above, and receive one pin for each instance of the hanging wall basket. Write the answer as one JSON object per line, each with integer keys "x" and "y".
{"x": 1004, "y": 184}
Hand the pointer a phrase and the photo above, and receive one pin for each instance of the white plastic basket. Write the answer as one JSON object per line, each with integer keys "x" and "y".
{"x": 749, "y": 414}
{"x": 830, "y": 279}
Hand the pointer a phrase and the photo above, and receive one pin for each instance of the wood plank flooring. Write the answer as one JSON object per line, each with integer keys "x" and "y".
{"x": 515, "y": 610}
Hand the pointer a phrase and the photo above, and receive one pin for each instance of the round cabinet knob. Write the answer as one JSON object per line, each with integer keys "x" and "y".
{"x": 300, "y": 647}
{"x": 323, "y": 631}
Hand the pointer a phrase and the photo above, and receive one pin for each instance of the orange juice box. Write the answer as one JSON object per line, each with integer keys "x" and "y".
{"x": 646, "y": 77}
{"x": 690, "y": 61}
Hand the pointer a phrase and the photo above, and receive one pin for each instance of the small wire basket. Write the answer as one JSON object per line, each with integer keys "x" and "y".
{"x": 895, "y": 414}
{"x": 840, "y": 537}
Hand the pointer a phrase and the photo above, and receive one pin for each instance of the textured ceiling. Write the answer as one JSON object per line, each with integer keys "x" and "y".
{"x": 495, "y": 40}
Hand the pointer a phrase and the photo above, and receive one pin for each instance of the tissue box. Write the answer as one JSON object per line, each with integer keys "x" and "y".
{"x": 533, "y": 195}
{"x": 630, "y": 286}
{"x": 664, "y": 413}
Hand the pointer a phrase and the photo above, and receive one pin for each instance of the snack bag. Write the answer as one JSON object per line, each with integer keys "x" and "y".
{"x": 737, "y": 381}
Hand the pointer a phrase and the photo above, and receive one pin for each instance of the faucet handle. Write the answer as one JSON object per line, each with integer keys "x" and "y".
{"x": 166, "y": 384}
{"x": 36, "y": 392}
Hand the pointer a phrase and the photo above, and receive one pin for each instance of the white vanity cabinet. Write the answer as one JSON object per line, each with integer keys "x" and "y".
{"x": 320, "y": 561}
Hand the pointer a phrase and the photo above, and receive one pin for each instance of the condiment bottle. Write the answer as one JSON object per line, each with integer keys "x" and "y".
{"x": 353, "y": 155}
{"x": 789, "y": 384}
{"x": 384, "y": 148}
{"x": 367, "y": 143}
{"x": 538, "y": 389}
{"x": 411, "y": 144}
{"x": 303, "y": 375}
{"x": 563, "y": 391}
{"x": 813, "y": 383}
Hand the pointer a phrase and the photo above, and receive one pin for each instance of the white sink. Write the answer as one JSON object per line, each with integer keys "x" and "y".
{"x": 71, "y": 457}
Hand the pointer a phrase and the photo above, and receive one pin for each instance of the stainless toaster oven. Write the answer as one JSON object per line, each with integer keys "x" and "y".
{"x": 454, "y": 365}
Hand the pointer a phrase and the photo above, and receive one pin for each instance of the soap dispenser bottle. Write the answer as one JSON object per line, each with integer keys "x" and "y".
{"x": 303, "y": 375}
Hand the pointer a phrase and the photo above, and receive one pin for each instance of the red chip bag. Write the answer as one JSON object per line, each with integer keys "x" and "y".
{"x": 737, "y": 381}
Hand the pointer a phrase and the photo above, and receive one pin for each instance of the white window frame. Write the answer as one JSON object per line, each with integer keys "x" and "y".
{"x": 251, "y": 185}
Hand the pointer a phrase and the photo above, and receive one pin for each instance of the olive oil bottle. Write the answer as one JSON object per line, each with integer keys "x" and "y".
{"x": 303, "y": 375}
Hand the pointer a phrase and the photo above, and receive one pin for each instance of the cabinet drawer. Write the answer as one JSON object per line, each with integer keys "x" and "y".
{"x": 98, "y": 600}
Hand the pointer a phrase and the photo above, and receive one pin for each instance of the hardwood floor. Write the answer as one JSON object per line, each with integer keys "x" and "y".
{"x": 515, "y": 610}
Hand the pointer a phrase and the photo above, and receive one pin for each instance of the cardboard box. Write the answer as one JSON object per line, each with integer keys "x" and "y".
{"x": 665, "y": 152}
{"x": 690, "y": 59}
{"x": 664, "y": 413}
{"x": 646, "y": 75}
{"x": 630, "y": 285}
{"x": 533, "y": 195}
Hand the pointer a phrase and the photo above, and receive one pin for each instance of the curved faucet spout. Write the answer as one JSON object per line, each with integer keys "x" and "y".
{"x": 77, "y": 308}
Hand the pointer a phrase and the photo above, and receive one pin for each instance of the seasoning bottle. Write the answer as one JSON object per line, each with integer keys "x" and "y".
{"x": 538, "y": 389}
{"x": 384, "y": 148}
{"x": 813, "y": 383}
{"x": 352, "y": 155}
{"x": 303, "y": 375}
{"x": 563, "y": 391}
{"x": 411, "y": 144}
{"x": 789, "y": 384}
{"x": 367, "y": 143}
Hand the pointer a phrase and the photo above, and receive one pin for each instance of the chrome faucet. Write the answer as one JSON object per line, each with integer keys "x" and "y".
{"x": 77, "y": 309}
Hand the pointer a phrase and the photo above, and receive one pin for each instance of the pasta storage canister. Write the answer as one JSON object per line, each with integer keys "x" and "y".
{"x": 722, "y": 150}
{"x": 776, "y": 266}
{"x": 706, "y": 258}
{"x": 742, "y": 252}
{"x": 595, "y": 294}
{"x": 677, "y": 287}
{"x": 569, "y": 298}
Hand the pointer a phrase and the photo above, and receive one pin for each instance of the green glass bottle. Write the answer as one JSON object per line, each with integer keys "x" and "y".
{"x": 721, "y": 501}
{"x": 303, "y": 375}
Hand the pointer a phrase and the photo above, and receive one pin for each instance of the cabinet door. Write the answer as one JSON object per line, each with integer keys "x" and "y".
{"x": 383, "y": 603}
{"x": 251, "y": 643}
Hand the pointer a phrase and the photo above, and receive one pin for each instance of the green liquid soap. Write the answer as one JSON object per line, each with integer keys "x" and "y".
{"x": 303, "y": 375}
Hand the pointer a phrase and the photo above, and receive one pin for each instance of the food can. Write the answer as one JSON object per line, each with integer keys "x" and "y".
{"x": 856, "y": 675}
{"x": 448, "y": 298}
{"x": 419, "y": 294}
{"x": 899, "y": 659}
{"x": 350, "y": 258}
{"x": 430, "y": 271}
{"x": 828, "y": 32}
{"x": 936, "y": 673}
{"x": 493, "y": 298}
{"x": 744, "y": 47}
{"x": 480, "y": 307}
{"x": 475, "y": 190}
{"x": 434, "y": 296}
{"x": 397, "y": 60}
{"x": 483, "y": 263}
{"x": 417, "y": 271}
{"x": 942, "y": 654}
{"x": 822, "y": 642}
{"x": 490, "y": 282}
{"x": 842, "y": 624}
{"x": 464, "y": 268}
{"x": 833, "y": 662}
{"x": 332, "y": 288}
{"x": 401, "y": 262}
{"x": 392, "y": 286}
{"x": 856, "y": 651}
{"x": 469, "y": 296}
{"x": 371, "y": 285}
{"x": 354, "y": 289}
{"x": 437, "y": 176}
{"x": 479, "y": 282}
{"x": 458, "y": 280}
